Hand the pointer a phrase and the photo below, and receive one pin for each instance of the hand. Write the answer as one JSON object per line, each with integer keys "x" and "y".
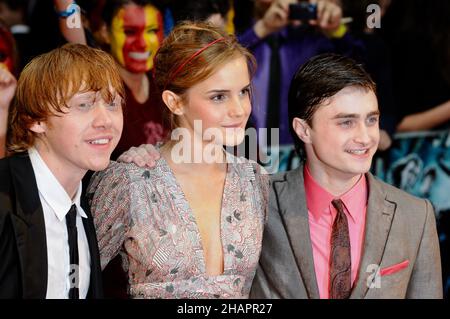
{"x": 329, "y": 15}
{"x": 275, "y": 18}
{"x": 8, "y": 86}
{"x": 145, "y": 155}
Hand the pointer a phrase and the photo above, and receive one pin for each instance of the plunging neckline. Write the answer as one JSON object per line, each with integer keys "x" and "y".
{"x": 193, "y": 219}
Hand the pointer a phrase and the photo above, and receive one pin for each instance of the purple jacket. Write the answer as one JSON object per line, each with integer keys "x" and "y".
{"x": 298, "y": 45}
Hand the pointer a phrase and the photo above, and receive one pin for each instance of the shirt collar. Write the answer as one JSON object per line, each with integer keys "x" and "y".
{"x": 318, "y": 200}
{"x": 51, "y": 190}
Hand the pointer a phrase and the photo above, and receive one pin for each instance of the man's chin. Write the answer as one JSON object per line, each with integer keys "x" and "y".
{"x": 98, "y": 165}
{"x": 360, "y": 169}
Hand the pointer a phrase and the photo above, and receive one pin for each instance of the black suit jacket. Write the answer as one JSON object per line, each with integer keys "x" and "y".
{"x": 23, "y": 247}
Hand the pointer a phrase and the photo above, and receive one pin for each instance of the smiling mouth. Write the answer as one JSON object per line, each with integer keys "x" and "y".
{"x": 358, "y": 151}
{"x": 100, "y": 141}
{"x": 139, "y": 56}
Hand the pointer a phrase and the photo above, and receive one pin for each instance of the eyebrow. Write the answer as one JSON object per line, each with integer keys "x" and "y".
{"x": 225, "y": 91}
{"x": 353, "y": 115}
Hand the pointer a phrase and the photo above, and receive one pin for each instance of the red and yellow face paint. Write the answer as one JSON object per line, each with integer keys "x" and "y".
{"x": 6, "y": 54}
{"x": 136, "y": 34}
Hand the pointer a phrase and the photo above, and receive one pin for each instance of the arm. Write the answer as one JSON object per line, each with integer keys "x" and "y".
{"x": 426, "y": 277}
{"x": 110, "y": 200}
{"x": 7, "y": 89}
{"x": 263, "y": 184}
{"x": 426, "y": 120}
{"x": 145, "y": 155}
{"x": 71, "y": 34}
{"x": 273, "y": 20}
{"x": 276, "y": 18}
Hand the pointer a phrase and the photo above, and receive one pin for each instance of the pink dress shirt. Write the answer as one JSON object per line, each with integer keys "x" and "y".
{"x": 321, "y": 214}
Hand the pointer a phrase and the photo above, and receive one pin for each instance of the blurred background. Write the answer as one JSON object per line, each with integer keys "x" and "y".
{"x": 403, "y": 44}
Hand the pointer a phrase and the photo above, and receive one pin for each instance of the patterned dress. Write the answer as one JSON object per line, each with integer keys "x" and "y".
{"x": 143, "y": 215}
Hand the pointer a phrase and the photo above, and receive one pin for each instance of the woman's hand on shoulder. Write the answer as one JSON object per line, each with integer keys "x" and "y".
{"x": 144, "y": 155}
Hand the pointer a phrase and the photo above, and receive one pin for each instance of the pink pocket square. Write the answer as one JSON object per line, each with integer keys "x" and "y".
{"x": 394, "y": 268}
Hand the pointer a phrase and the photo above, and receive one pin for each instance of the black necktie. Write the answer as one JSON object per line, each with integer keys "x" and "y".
{"x": 341, "y": 262}
{"x": 71, "y": 219}
{"x": 274, "y": 89}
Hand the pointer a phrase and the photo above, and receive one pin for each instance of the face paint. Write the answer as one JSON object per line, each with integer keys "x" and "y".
{"x": 6, "y": 60}
{"x": 136, "y": 33}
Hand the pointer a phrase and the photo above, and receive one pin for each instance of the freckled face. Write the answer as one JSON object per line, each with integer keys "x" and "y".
{"x": 84, "y": 137}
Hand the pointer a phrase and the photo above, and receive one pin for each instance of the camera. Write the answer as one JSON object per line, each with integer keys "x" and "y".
{"x": 303, "y": 11}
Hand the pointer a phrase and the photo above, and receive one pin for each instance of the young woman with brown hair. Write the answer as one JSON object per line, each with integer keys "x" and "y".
{"x": 192, "y": 226}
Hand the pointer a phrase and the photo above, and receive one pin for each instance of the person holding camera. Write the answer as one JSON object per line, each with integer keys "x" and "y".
{"x": 285, "y": 34}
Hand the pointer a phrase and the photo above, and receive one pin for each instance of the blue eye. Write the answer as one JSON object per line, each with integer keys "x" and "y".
{"x": 372, "y": 120}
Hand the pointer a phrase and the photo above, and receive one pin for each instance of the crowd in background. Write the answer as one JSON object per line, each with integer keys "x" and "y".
{"x": 408, "y": 56}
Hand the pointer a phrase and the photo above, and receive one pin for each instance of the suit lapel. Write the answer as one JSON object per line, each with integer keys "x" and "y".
{"x": 379, "y": 216}
{"x": 95, "y": 286}
{"x": 294, "y": 213}
{"x": 30, "y": 228}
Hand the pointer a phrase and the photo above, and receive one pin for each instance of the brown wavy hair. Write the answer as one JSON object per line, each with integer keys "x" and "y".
{"x": 185, "y": 40}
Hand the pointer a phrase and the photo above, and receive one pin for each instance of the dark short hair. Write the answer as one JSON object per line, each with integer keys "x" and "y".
{"x": 319, "y": 79}
{"x": 198, "y": 10}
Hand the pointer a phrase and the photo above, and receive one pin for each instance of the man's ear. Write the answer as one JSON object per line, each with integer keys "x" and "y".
{"x": 302, "y": 129}
{"x": 173, "y": 102}
{"x": 38, "y": 127}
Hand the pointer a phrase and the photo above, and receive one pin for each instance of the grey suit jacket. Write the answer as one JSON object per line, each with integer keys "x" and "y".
{"x": 400, "y": 229}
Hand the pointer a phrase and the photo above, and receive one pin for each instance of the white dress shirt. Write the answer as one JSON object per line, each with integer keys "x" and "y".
{"x": 56, "y": 204}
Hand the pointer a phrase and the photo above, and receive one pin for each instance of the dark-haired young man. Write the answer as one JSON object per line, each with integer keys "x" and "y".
{"x": 335, "y": 231}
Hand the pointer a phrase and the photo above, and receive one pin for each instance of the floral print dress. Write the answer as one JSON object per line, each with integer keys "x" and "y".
{"x": 143, "y": 215}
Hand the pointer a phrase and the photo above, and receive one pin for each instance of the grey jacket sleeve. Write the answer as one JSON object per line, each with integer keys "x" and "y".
{"x": 262, "y": 288}
{"x": 426, "y": 278}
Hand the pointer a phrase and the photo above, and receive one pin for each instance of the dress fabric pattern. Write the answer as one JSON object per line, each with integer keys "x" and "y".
{"x": 143, "y": 215}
